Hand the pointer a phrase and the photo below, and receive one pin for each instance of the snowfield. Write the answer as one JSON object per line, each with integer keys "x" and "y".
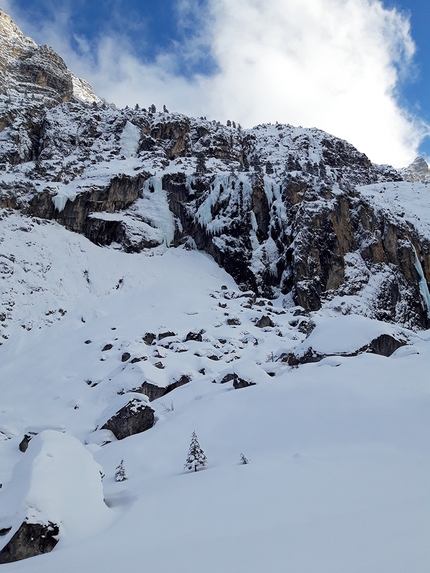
{"x": 339, "y": 474}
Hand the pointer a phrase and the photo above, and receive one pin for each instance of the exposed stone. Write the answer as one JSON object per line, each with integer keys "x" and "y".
{"x": 149, "y": 338}
{"x": 241, "y": 383}
{"x": 133, "y": 418}
{"x": 184, "y": 379}
{"x": 25, "y": 441}
{"x": 197, "y": 336}
{"x": 138, "y": 359}
{"x": 125, "y": 356}
{"x": 29, "y": 540}
{"x": 166, "y": 334}
{"x": 264, "y": 322}
{"x": 228, "y": 378}
{"x": 153, "y": 392}
{"x": 385, "y": 345}
{"x": 107, "y": 347}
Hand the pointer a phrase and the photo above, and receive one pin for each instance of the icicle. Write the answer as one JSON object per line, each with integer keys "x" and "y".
{"x": 424, "y": 289}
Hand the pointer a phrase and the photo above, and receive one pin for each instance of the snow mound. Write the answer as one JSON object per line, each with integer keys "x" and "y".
{"x": 345, "y": 334}
{"x": 56, "y": 481}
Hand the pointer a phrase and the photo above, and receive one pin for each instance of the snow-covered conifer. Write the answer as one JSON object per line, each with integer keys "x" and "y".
{"x": 120, "y": 474}
{"x": 196, "y": 456}
{"x": 244, "y": 460}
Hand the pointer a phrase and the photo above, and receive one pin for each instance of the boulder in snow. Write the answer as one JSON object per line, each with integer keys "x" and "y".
{"x": 385, "y": 345}
{"x": 29, "y": 540}
{"x": 264, "y": 322}
{"x": 55, "y": 487}
{"x": 129, "y": 414}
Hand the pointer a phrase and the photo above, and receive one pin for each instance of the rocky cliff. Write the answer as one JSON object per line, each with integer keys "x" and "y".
{"x": 281, "y": 208}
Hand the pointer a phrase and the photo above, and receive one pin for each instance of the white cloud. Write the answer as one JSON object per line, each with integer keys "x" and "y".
{"x": 332, "y": 64}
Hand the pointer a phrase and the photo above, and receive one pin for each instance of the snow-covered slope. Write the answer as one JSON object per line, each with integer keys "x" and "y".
{"x": 339, "y": 451}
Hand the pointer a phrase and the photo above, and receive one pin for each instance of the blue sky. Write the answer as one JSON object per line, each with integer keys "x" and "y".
{"x": 356, "y": 68}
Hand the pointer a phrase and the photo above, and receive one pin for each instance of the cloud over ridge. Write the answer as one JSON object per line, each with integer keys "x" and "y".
{"x": 331, "y": 64}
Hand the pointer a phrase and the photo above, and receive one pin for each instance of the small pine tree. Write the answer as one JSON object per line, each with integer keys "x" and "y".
{"x": 196, "y": 456}
{"x": 244, "y": 460}
{"x": 120, "y": 474}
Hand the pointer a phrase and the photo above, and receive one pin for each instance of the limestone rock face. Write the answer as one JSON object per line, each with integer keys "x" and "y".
{"x": 36, "y": 70}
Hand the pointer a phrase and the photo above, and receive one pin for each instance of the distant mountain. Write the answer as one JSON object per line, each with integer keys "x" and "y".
{"x": 418, "y": 170}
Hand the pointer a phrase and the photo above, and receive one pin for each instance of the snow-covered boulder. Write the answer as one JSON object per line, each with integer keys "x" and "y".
{"x": 127, "y": 415}
{"x": 243, "y": 373}
{"x": 55, "y": 493}
{"x": 346, "y": 336}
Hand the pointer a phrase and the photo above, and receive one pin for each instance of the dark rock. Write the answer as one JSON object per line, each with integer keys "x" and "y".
{"x": 126, "y": 356}
{"x": 197, "y": 336}
{"x": 166, "y": 334}
{"x": 154, "y": 392}
{"x": 385, "y": 345}
{"x": 133, "y": 418}
{"x": 307, "y": 357}
{"x": 241, "y": 383}
{"x": 151, "y": 390}
{"x": 138, "y": 359}
{"x": 88, "y": 342}
{"x": 107, "y": 347}
{"x": 5, "y": 531}
{"x": 264, "y": 322}
{"x": 228, "y": 378}
{"x": 184, "y": 379}
{"x": 149, "y": 338}
{"x": 26, "y": 440}
{"x": 306, "y": 326}
{"x": 29, "y": 540}
{"x": 159, "y": 365}
{"x": 233, "y": 321}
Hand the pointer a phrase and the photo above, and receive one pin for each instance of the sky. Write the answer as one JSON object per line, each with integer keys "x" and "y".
{"x": 358, "y": 69}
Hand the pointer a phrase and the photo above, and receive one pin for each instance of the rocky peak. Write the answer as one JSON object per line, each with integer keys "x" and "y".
{"x": 418, "y": 170}
{"x": 32, "y": 70}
